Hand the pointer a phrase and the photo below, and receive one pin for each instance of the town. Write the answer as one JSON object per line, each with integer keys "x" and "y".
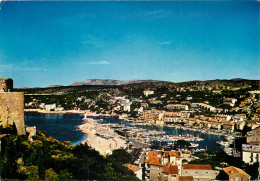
{"x": 220, "y": 107}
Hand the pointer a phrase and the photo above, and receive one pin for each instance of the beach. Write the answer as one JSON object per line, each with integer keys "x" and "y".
{"x": 100, "y": 137}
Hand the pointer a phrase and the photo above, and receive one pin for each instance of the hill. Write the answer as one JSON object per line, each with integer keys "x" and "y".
{"x": 110, "y": 82}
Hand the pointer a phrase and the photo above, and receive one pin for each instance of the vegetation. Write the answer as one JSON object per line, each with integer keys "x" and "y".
{"x": 45, "y": 158}
{"x": 180, "y": 144}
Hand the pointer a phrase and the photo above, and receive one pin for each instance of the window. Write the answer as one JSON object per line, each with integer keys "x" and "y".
{"x": 207, "y": 172}
{"x": 173, "y": 175}
{"x": 196, "y": 172}
{"x": 237, "y": 179}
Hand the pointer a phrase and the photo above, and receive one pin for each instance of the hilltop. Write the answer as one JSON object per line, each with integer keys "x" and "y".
{"x": 140, "y": 85}
{"x": 110, "y": 82}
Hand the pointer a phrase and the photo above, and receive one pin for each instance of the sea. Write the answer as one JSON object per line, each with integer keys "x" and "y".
{"x": 63, "y": 127}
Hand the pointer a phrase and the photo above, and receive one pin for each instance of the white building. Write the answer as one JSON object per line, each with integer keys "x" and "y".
{"x": 148, "y": 92}
{"x": 127, "y": 107}
{"x": 189, "y": 98}
{"x": 49, "y": 107}
{"x": 137, "y": 170}
{"x": 59, "y": 109}
{"x": 250, "y": 153}
{"x": 199, "y": 172}
{"x": 177, "y": 107}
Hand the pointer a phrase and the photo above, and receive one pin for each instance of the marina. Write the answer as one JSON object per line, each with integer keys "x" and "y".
{"x": 63, "y": 127}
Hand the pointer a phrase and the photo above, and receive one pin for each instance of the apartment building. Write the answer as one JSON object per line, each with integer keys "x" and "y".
{"x": 177, "y": 107}
{"x": 167, "y": 166}
{"x": 199, "y": 172}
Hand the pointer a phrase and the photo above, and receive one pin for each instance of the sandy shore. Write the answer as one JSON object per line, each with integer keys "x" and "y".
{"x": 100, "y": 137}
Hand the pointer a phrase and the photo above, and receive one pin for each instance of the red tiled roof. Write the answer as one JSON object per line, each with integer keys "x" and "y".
{"x": 134, "y": 168}
{"x": 168, "y": 168}
{"x": 172, "y": 153}
{"x": 232, "y": 170}
{"x": 185, "y": 178}
{"x": 153, "y": 161}
{"x": 196, "y": 167}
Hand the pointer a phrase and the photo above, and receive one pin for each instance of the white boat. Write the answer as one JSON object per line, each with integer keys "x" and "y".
{"x": 194, "y": 145}
{"x": 224, "y": 143}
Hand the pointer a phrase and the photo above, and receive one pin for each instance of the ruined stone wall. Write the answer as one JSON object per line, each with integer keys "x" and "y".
{"x": 31, "y": 131}
{"x": 6, "y": 85}
{"x": 12, "y": 110}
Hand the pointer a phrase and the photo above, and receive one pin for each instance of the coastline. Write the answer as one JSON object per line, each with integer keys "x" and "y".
{"x": 53, "y": 112}
{"x": 100, "y": 137}
{"x": 88, "y": 112}
{"x": 94, "y": 114}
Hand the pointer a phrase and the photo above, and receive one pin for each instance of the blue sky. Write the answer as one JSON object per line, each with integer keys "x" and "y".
{"x": 50, "y": 43}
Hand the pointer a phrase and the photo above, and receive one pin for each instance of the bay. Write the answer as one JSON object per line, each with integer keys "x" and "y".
{"x": 63, "y": 128}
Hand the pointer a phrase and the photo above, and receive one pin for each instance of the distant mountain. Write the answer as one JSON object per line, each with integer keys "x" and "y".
{"x": 110, "y": 82}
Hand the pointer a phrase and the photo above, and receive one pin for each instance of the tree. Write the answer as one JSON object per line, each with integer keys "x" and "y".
{"x": 222, "y": 176}
{"x": 10, "y": 167}
{"x": 182, "y": 144}
{"x": 41, "y": 165}
{"x": 121, "y": 156}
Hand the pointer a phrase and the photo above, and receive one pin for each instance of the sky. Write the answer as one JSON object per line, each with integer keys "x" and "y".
{"x": 57, "y": 43}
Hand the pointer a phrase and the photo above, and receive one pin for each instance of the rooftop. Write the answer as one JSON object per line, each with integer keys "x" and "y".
{"x": 233, "y": 170}
{"x": 196, "y": 167}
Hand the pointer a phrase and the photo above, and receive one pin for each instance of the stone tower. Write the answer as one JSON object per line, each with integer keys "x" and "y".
{"x": 6, "y": 85}
{"x": 11, "y": 106}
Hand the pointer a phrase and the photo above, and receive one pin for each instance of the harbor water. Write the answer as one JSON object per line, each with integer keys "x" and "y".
{"x": 63, "y": 128}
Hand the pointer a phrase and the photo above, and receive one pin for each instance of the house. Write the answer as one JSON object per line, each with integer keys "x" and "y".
{"x": 153, "y": 166}
{"x": 253, "y": 136}
{"x": 149, "y": 116}
{"x": 177, "y": 107}
{"x": 250, "y": 153}
{"x": 167, "y": 165}
{"x": 144, "y": 105}
{"x": 59, "y": 108}
{"x": 155, "y": 102}
{"x": 236, "y": 174}
{"x": 199, "y": 172}
{"x": 170, "y": 172}
{"x": 229, "y": 101}
{"x": 188, "y": 98}
{"x": 49, "y": 107}
{"x": 148, "y": 92}
{"x": 162, "y": 165}
{"x": 137, "y": 170}
{"x": 206, "y": 107}
{"x": 127, "y": 107}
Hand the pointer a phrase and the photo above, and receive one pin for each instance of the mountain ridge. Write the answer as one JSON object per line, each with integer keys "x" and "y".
{"x": 111, "y": 82}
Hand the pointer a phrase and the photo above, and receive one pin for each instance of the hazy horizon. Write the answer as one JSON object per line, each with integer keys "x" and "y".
{"x": 53, "y": 85}
{"x": 57, "y": 43}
